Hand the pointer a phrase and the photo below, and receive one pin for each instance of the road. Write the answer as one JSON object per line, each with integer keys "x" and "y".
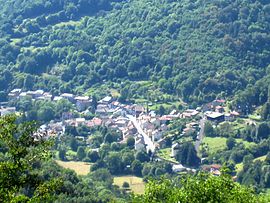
{"x": 200, "y": 138}
{"x": 150, "y": 146}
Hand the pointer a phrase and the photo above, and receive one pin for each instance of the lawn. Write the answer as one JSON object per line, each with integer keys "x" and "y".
{"x": 136, "y": 184}
{"x": 215, "y": 143}
{"x": 246, "y": 143}
{"x": 239, "y": 166}
{"x": 81, "y": 168}
{"x": 166, "y": 154}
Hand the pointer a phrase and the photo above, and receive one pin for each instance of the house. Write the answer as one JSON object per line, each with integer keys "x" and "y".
{"x": 79, "y": 121}
{"x": 38, "y": 93}
{"x": 94, "y": 122}
{"x": 215, "y": 169}
{"x": 156, "y": 135}
{"x": 46, "y": 96}
{"x": 102, "y": 110}
{"x": 139, "y": 109}
{"x": 82, "y": 102}
{"x": 68, "y": 96}
{"x": 165, "y": 119}
{"x": 174, "y": 149}
{"x": 57, "y": 98}
{"x": 152, "y": 114}
{"x": 130, "y": 130}
{"x": 139, "y": 143}
{"x": 7, "y": 110}
{"x": 218, "y": 102}
{"x": 146, "y": 125}
{"x": 176, "y": 168}
{"x": 189, "y": 113}
{"x": 106, "y": 100}
{"x": 188, "y": 130}
{"x": 14, "y": 94}
{"x": 215, "y": 116}
{"x": 219, "y": 109}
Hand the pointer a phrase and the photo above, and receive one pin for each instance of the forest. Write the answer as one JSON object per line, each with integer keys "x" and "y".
{"x": 195, "y": 50}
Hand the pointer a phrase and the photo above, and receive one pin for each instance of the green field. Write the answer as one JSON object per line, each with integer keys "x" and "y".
{"x": 136, "y": 184}
{"x": 81, "y": 168}
{"x": 239, "y": 166}
{"x": 246, "y": 143}
{"x": 215, "y": 143}
{"x": 166, "y": 154}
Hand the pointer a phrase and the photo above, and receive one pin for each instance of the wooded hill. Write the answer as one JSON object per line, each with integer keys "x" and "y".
{"x": 198, "y": 50}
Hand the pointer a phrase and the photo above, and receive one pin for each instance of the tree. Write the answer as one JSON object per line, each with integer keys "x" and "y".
{"x": 93, "y": 156}
{"x": 230, "y": 142}
{"x": 200, "y": 188}
{"x": 142, "y": 156}
{"x": 62, "y": 154}
{"x": 125, "y": 185}
{"x": 22, "y": 150}
{"x": 45, "y": 113}
{"x": 114, "y": 163}
{"x": 81, "y": 153}
{"x": 208, "y": 129}
{"x": 73, "y": 144}
{"x": 187, "y": 155}
{"x": 131, "y": 142}
{"x": 136, "y": 167}
{"x": 161, "y": 110}
{"x": 262, "y": 131}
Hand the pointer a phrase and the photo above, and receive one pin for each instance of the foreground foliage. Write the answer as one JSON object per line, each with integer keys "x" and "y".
{"x": 201, "y": 188}
{"x": 20, "y": 151}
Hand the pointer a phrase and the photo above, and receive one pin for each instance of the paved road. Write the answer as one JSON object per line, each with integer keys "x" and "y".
{"x": 200, "y": 138}
{"x": 149, "y": 144}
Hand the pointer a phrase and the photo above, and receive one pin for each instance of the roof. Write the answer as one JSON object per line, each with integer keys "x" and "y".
{"x": 67, "y": 95}
{"x": 82, "y": 98}
{"x": 216, "y": 166}
{"x": 235, "y": 113}
{"x": 106, "y": 99}
{"x": 214, "y": 114}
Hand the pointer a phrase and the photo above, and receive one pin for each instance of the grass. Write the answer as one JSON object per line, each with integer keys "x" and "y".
{"x": 166, "y": 154}
{"x": 215, "y": 144}
{"x": 136, "y": 184}
{"x": 261, "y": 158}
{"x": 246, "y": 143}
{"x": 239, "y": 166}
{"x": 81, "y": 168}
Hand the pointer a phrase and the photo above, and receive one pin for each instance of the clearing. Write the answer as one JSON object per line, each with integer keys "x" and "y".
{"x": 136, "y": 184}
{"x": 215, "y": 144}
{"x": 81, "y": 168}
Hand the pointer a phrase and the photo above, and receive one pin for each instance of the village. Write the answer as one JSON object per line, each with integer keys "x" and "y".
{"x": 133, "y": 120}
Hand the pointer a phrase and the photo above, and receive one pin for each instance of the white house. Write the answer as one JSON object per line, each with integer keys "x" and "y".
{"x": 178, "y": 168}
{"x": 140, "y": 144}
{"x": 156, "y": 135}
{"x": 175, "y": 148}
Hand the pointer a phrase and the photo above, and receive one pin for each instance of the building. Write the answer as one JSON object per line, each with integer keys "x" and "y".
{"x": 138, "y": 109}
{"x": 7, "y": 110}
{"x": 156, "y": 135}
{"x": 215, "y": 116}
{"x": 175, "y": 148}
{"x": 82, "y": 102}
{"x": 140, "y": 144}
{"x": 106, "y": 100}
{"x": 176, "y": 168}
{"x": 14, "y": 94}
{"x": 68, "y": 96}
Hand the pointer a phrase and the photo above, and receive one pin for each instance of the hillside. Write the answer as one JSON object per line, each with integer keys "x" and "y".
{"x": 198, "y": 50}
